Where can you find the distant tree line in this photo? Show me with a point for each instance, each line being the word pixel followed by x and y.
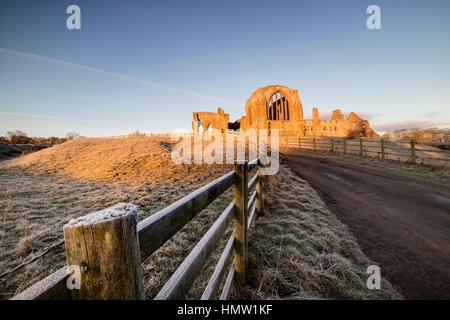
pixel 20 137
pixel 432 134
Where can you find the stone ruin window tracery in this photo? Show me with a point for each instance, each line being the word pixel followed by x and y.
pixel 278 107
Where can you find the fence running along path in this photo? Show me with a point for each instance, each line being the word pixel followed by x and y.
pixel 415 152
pixel 109 245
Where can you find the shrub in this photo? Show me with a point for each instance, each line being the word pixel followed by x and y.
pixel 18 137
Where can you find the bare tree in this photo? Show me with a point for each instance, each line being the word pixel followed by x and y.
pixel 18 137
pixel 72 135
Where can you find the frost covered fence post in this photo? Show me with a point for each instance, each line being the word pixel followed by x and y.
pixel 246 211
pixel 264 178
pixel 105 247
pixel 259 204
pixel 239 224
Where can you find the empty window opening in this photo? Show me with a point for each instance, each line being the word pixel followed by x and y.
pixel 278 108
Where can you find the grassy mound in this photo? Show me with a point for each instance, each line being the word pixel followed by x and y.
pixel 130 160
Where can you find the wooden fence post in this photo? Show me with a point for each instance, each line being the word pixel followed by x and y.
pixel 246 213
pixel 259 204
pixel 104 245
pixel 265 184
pixel 383 154
pixel 332 145
pixel 314 143
pixel 299 143
pixel 345 146
pixel 413 152
pixel 266 190
pixel 239 225
pixel 257 144
pixel 361 146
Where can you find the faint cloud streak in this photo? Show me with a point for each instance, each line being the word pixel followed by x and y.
pixel 30 115
pixel 116 75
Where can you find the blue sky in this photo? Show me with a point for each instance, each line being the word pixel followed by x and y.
pixel 147 65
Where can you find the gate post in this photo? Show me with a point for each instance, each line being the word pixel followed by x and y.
pixel 246 213
pixel 239 224
pixel 104 245
pixel 259 204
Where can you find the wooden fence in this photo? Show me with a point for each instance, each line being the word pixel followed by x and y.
pixel 415 152
pixel 108 246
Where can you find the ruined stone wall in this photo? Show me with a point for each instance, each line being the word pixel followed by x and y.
pixel 353 126
pixel 217 120
pixel 279 107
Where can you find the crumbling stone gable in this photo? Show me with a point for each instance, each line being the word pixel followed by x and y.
pixel 217 120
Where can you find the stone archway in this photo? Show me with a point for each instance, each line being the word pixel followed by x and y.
pixel 278 107
pixel 200 128
pixel 274 107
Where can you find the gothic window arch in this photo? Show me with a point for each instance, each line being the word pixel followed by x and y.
pixel 278 107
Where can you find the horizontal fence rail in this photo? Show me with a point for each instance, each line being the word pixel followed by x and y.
pixel 187 272
pixel 407 151
pixel 150 234
pixel 415 152
pixel 174 217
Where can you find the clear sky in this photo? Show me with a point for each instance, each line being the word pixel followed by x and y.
pixel 147 65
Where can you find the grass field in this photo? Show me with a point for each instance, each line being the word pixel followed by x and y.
pixel 42 191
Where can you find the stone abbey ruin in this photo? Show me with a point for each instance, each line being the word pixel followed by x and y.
pixel 279 107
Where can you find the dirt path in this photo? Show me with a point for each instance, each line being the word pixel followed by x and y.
pixel 402 226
